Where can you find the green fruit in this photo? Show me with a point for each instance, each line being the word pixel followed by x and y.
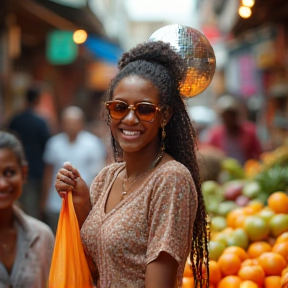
pixel 221 238
pixel 225 207
pixel 218 223
pixel 251 189
pixel 256 228
pixel 278 224
pixel 239 238
pixel 266 214
pixel 212 202
pixel 215 250
pixel 209 187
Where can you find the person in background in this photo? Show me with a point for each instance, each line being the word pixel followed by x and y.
pixel 33 132
pixel 277 115
pixel 145 212
pixel 235 136
pixel 82 148
pixel 209 157
pixel 26 244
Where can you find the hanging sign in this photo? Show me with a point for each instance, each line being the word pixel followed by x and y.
pixel 60 47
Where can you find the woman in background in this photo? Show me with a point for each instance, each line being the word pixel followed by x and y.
pixel 26 244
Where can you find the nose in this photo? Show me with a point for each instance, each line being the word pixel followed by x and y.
pixel 131 117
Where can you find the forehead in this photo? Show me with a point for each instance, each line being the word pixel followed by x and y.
pixel 136 88
pixel 8 156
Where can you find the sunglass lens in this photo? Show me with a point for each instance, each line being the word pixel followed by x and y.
pixel 118 110
pixel 146 112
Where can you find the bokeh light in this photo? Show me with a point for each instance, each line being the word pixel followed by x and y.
pixel 80 36
pixel 244 12
pixel 248 3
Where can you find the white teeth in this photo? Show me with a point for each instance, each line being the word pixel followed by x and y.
pixel 131 133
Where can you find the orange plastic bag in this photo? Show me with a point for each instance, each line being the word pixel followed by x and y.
pixel 69 268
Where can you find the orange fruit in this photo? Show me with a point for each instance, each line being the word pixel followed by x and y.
pixel 232 216
pixel 282 249
pixel 229 264
pixel 282 238
pixel 231 281
pixel 240 252
pixel 214 272
pixel 188 282
pixel 272 263
pixel 240 221
pixel 249 262
pixel 255 205
pixel 278 202
pixel 272 282
pixel 188 270
pixel 253 273
pixel 248 284
pixel 284 272
pixel 248 210
pixel 255 249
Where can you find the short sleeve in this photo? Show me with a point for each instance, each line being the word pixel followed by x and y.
pixel 171 216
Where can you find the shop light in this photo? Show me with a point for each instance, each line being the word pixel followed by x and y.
pixel 80 36
pixel 244 12
pixel 248 3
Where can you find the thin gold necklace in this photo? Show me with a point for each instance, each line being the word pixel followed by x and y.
pixel 153 165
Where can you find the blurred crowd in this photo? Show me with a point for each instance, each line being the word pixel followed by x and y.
pixel 48 146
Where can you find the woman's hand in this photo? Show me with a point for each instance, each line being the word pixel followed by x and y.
pixel 69 179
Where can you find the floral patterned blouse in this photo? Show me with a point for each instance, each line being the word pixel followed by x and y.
pixel 157 217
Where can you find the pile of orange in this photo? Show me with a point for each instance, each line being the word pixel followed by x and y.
pixel 261 265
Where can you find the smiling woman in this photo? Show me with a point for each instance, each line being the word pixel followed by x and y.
pixel 22 264
pixel 145 213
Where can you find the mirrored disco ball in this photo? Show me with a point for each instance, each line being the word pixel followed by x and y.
pixel 196 51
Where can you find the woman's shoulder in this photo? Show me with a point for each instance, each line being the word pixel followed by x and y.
pixel 172 167
pixel 32 225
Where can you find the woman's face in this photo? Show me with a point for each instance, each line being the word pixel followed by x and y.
pixel 132 134
pixel 12 176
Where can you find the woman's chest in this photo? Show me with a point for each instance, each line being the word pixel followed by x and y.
pixel 123 230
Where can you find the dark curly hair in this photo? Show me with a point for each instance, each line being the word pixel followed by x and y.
pixel 160 64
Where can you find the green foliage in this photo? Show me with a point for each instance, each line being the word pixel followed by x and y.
pixel 273 179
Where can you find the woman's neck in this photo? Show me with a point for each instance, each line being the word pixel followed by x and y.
pixel 6 218
pixel 140 162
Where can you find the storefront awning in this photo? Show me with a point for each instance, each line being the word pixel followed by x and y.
pixel 103 50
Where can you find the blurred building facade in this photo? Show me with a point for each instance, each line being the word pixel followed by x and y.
pixel 36 45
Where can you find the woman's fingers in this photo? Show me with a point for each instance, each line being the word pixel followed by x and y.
pixel 68 166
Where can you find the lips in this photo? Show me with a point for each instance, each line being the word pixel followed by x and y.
pixel 5 194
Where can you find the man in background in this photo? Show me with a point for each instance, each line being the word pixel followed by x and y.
pixel 235 136
pixel 81 148
pixel 34 132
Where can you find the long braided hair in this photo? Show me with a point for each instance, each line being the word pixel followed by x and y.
pixel 158 63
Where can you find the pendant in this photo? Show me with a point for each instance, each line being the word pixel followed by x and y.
pixel 124 193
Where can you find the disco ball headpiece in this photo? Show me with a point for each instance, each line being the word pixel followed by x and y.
pixel 196 51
